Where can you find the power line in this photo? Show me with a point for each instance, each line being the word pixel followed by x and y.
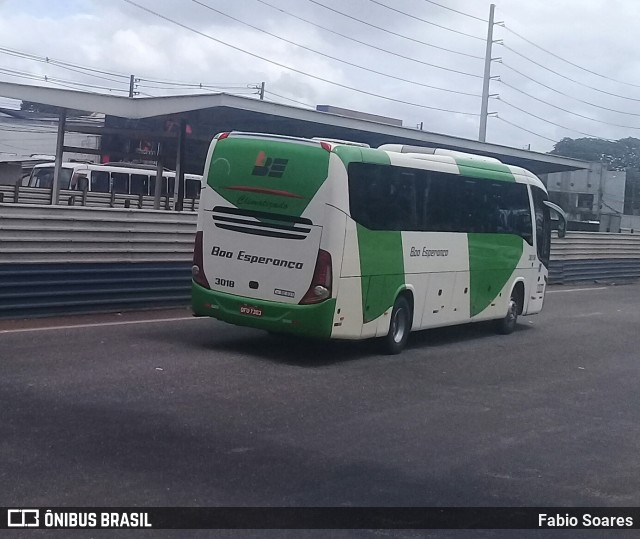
pixel 55 80
pixel 58 62
pixel 565 110
pixel 566 77
pixel 568 61
pixel 426 21
pixel 627 113
pixel 369 44
pixel 524 129
pixel 199 84
pixel 370 25
pixel 81 70
pixel 289 68
pixel 62 65
pixel 502 100
pixel 457 11
pixel 335 58
pixel 289 99
pixel 210 88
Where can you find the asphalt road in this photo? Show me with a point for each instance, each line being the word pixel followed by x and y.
pixel 194 412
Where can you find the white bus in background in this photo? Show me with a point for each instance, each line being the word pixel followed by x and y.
pixel 123 178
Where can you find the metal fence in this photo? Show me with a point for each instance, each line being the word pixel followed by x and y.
pixel 72 259
pixel 594 256
pixel 19 194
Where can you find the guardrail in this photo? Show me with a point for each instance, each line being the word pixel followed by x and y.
pixel 73 259
pixel 61 259
pixel 19 194
pixel 591 256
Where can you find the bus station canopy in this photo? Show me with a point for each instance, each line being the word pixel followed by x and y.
pixel 224 112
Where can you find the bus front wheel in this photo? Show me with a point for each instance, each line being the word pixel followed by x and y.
pixel 399 327
pixel 507 325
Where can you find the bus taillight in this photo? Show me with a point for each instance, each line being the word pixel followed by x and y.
pixel 197 270
pixel 320 288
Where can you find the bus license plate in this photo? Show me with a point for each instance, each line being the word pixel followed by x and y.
pixel 250 310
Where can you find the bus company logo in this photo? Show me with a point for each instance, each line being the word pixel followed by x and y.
pixel 273 167
pixel 23 518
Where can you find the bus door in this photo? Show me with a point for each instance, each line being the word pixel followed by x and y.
pixel 540 271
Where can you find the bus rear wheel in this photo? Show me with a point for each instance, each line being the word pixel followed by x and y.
pixel 507 325
pixel 399 327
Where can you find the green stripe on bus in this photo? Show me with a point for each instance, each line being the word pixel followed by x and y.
pixel 351 154
pixel 381 268
pixel 267 175
pixel 492 260
pixel 479 169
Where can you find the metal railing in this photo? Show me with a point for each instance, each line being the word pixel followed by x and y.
pixel 19 194
pixel 68 259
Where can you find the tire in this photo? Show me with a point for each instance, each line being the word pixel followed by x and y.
pixel 507 325
pixel 399 327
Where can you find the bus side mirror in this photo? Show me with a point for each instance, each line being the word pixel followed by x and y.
pixel 562 228
pixel 562 218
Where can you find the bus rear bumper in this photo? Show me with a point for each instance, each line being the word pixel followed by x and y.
pixel 306 320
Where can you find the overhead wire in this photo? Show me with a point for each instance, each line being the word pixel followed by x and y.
pixel 449 29
pixel 289 68
pixel 268 92
pixel 63 65
pixel 375 47
pixel 565 94
pixel 566 110
pixel 502 100
pixel 524 129
pixel 567 77
pixel 458 11
pixel 557 56
pixel 86 71
pixel 335 58
pixel 52 61
pixel 382 29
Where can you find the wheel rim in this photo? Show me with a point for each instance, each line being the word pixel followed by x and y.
pixel 512 312
pixel 399 326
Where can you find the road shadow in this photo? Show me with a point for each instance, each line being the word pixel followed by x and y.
pixel 315 353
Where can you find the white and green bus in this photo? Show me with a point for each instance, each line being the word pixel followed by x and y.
pixel 331 239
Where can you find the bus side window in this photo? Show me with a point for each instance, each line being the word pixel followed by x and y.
pixel 192 189
pixel 439 214
pixel 139 184
pixel 163 190
pixel 99 181
pixel 120 182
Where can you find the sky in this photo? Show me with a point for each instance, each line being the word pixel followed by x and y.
pixel 569 68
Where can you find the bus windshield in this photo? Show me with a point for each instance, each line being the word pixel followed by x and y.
pixel 43 177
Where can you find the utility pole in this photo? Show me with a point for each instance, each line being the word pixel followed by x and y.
pixel 262 91
pixel 132 81
pixel 484 109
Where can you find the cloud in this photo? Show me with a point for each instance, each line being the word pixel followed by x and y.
pixel 122 39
